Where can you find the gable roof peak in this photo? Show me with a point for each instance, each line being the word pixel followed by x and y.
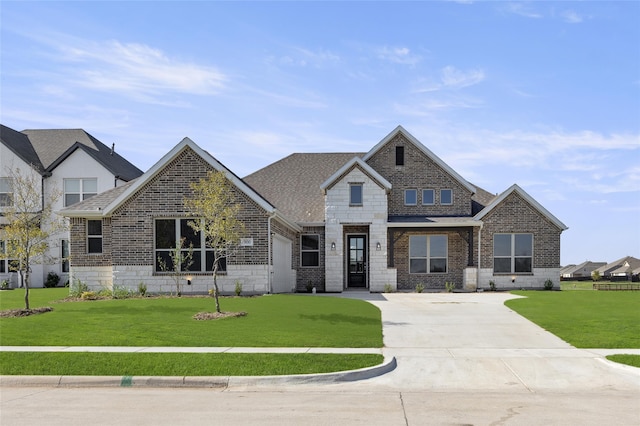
pixel 426 151
pixel 356 162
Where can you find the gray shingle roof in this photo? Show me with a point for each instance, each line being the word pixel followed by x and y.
pixel 293 183
pixel 98 202
pixel 54 145
pixel 21 146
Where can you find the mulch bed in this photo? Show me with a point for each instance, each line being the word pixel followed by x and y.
pixel 202 316
pixel 14 313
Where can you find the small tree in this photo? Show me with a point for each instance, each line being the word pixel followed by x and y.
pixel 595 275
pixel 217 212
pixel 180 262
pixel 31 222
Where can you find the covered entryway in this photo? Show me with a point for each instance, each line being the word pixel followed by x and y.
pixel 283 280
pixel 356 261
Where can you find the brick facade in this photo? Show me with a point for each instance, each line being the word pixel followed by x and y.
pixel 310 274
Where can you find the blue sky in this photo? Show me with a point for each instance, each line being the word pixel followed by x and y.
pixel 543 94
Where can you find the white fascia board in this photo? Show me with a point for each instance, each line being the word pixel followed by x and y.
pixel 425 150
pixel 466 223
pixel 528 198
pixel 367 169
pixel 157 168
pixel 87 214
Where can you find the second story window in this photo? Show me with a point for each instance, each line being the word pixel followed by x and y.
pixel 428 197
pixel 94 236
pixel 355 194
pixel 76 190
pixel 446 197
pixel 410 197
pixel 6 192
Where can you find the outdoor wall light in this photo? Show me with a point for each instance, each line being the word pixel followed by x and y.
pixel 188 280
pixel 333 246
pixel 378 246
pixel 513 279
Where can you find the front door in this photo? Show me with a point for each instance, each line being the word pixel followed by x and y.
pixel 357 267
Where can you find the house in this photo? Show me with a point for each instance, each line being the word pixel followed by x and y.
pixel 391 218
pixel 580 272
pixel 625 269
pixel 69 160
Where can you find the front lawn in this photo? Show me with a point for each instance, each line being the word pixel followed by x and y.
pixel 271 321
pixel 585 319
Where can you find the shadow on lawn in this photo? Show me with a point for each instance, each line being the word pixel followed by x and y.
pixel 341 318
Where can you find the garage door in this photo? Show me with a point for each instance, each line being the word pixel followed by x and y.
pixel 282 274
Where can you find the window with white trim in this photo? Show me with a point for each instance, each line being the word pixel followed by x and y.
pixel 446 197
pixel 428 254
pixel 428 197
pixel 64 255
pixel 355 194
pixel 410 197
pixel 171 230
pixel 6 192
pixel 94 236
pixel 6 264
pixel 512 253
pixel 76 190
pixel 310 250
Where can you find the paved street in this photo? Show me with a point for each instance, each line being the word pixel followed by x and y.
pixel 463 359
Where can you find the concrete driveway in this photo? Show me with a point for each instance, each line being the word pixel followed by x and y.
pixel 467 342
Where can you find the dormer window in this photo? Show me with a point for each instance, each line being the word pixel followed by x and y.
pixel 446 197
pixel 399 155
pixel 355 194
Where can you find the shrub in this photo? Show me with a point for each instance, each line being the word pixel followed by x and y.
pixel 548 285
pixel 388 288
pixel 450 286
pixel 121 292
pixel 238 288
pixel 4 285
pixel 419 288
pixel 105 293
pixel 52 280
pixel 89 295
pixel 492 285
pixel 142 289
pixel 78 288
pixel 595 275
pixel 212 292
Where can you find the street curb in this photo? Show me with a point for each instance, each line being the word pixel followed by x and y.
pixel 388 365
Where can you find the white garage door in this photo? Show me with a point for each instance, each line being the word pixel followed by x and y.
pixel 282 274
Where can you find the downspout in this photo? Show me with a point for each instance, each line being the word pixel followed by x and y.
pixel 269 254
pixel 115 181
pixel 479 256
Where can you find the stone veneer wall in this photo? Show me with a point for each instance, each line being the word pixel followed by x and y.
pixel 419 172
pixel 516 215
pixel 340 215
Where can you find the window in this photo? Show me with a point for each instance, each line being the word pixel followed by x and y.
pixel 64 255
pixel 6 192
pixel 446 196
pixel 355 194
pixel 170 231
pixel 399 155
pixel 310 250
pixel 76 190
pixel 428 253
pixel 512 253
pixel 428 197
pixel 410 197
pixel 94 236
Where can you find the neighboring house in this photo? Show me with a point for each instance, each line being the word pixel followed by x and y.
pixel 70 161
pixel 625 269
pixel 581 271
pixel 392 218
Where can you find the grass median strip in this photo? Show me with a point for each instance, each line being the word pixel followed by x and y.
pixel 179 364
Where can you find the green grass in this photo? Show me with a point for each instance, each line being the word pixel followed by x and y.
pixel 585 319
pixel 576 285
pixel 632 360
pixel 178 364
pixel 271 321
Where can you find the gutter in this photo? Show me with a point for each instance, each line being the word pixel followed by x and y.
pixel 269 254
pixel 479 256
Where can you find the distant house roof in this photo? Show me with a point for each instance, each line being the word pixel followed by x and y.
pixel 293 183
pixel 609 268
pixel 53 146
pixel 583 269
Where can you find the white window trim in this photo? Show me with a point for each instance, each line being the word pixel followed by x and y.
pixel 434 197
pixel 82 192
pixel 405 197
pixel 8 194
pixel 428 258
pixel 512 256
pixel 446 204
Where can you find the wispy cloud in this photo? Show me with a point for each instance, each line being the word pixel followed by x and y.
pixel 306 57
pixel 398 55
pixel 522 9
pixel 571 17
pixel 455 78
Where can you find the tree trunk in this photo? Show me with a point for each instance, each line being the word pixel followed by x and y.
pixel 24 277
pixel 215 285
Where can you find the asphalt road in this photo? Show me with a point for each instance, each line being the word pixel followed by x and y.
pixel 462 360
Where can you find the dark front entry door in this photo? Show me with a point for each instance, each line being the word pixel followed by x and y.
pixel 357 268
